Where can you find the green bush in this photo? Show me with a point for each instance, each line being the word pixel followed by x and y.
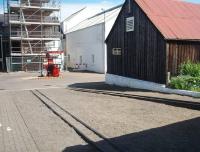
pixel 190 69
pixel 189 78
pixel 186 83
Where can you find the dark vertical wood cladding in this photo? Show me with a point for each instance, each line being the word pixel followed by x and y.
pixel 181 51
pixel 143 50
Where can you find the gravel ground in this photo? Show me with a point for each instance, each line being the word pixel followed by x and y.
pixel 34 128
pixel 135 125
pixel 28 81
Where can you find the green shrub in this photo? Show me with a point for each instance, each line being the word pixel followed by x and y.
pixel 186 83
pixel 190 69
pixel 189 78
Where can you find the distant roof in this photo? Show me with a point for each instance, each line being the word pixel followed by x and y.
pixel 175 19
pixel 97 19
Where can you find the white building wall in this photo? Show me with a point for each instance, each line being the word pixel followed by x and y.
pixel 87 38
pixel 67 25
pixel 108 27
pixel 87 44
pixel 88 11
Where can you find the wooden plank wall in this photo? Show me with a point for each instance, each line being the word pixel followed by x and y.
pixel 180 52
pixel 143 50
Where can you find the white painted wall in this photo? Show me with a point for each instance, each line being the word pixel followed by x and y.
pixel 87 42
pixel 67 25
pixel 140 84
pixel 89 11
pixel 87 38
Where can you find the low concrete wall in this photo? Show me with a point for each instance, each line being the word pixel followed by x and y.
pixel 139 84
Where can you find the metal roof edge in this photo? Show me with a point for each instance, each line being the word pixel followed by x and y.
pixel 108 10
pixel 73 31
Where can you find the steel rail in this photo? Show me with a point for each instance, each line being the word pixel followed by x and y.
pixel 118 149
pixel 173 102
pixel 67 122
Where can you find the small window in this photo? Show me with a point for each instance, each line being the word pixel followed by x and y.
pixel 93 58
pixel 130 24
pixel 117 51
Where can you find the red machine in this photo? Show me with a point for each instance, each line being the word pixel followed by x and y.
pixel 52 68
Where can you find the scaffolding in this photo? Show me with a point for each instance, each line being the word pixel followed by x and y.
pixel 4 39
pixel 34 29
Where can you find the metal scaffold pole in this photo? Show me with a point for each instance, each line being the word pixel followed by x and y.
pixel 2 54
pixel 33 26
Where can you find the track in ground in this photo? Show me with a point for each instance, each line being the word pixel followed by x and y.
pixel 172 102
pixel 87 133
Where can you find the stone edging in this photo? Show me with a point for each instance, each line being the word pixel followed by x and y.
pixel 140 84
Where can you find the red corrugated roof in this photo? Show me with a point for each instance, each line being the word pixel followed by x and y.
pixel 174 19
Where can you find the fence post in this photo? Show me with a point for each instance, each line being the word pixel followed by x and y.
pixel 8 64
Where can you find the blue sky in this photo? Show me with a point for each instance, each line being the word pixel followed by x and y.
pixel 97 1
pixel 114 1
pixel 97 4
pixel 71 6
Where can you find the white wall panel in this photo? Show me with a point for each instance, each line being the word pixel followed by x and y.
pixel 87 43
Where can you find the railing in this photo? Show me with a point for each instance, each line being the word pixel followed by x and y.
pixel 35 50
pixel 26 50
pixel 35 18
pixel 26 63
pixel 35 34
pixel 42 3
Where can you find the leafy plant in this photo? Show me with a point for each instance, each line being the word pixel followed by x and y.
pixel 190 69
pixel 186 83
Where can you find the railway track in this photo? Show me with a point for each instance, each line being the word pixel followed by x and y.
pixel 172 102
pixel 87 133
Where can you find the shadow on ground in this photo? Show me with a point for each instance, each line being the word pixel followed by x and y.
pixel 102 88
pixel 179 137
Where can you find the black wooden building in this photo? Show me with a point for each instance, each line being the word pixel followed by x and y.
pixel 151 38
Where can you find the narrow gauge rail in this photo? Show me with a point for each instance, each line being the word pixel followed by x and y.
pixel 172 102
pixel 106 144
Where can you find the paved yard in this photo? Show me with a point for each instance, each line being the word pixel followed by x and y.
pixel 28 126
pixel 141 122
pixel 27 81
pixel 135 125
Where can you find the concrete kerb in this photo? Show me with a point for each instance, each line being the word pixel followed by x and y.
pixel 139 84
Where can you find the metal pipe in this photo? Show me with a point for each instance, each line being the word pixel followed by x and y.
pixel 104 36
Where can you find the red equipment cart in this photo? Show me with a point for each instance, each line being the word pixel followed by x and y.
pixel 51 67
